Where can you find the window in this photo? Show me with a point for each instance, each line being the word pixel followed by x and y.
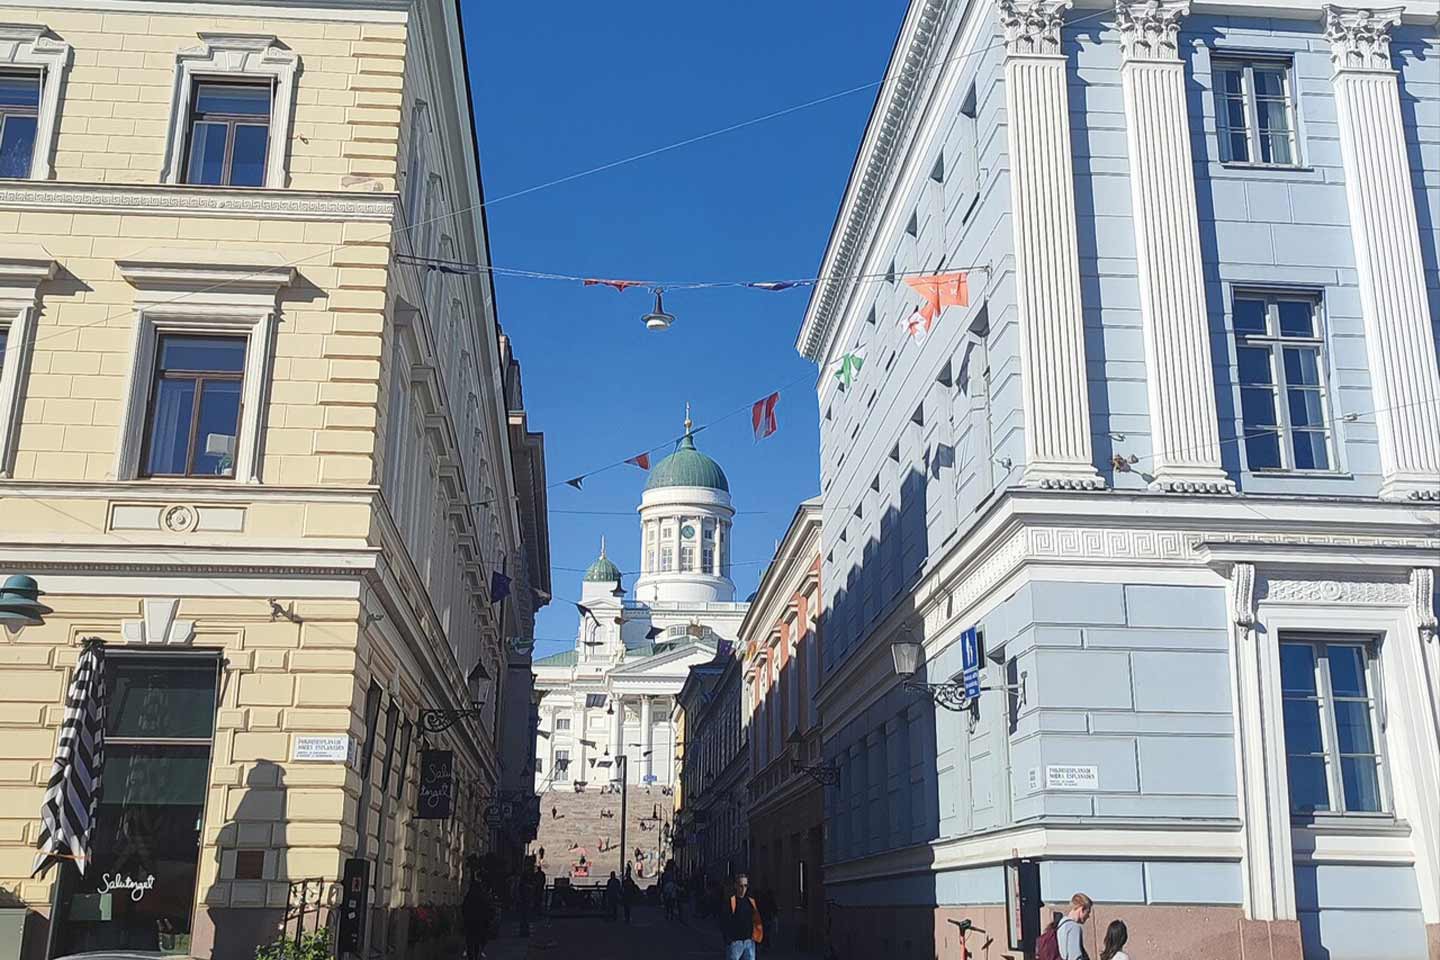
pixel 229 130
pixel 707 547
pixel 19 118
pixel 159 721
pixel 1254 113
pixel 687 557
pixel 539 765
pixel 4 336
pixel 562 723
pixel 562 765
pixel 1282 389
pixel 1332 752
pixel 194 407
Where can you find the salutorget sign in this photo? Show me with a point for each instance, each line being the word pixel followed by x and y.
pixel 138 888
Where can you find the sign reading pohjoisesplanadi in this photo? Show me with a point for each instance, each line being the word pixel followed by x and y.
pixel 1072 777
pixel 327 747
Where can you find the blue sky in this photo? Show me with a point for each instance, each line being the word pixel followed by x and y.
pixel 587 84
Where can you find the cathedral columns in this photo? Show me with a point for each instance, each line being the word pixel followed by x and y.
pixel 617 732
pixel 647 739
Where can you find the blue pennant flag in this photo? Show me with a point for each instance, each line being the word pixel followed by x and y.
pixel 499 586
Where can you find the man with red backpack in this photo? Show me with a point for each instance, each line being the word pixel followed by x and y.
pixel 1064 939
pixel 740 922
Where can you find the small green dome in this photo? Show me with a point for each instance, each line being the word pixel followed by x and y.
pixel 687 467
pixel 602 570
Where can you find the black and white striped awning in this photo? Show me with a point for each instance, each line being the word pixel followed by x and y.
pixel 72 796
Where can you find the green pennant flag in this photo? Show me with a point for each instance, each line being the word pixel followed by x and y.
pixel 850 365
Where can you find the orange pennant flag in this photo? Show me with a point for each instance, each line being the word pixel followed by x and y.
pixel 941 290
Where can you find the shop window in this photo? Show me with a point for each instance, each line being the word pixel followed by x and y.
pixel 194 406
pixel 140 891
pixel 228 134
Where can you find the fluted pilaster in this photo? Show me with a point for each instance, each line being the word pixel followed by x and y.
pixel 1185 428
pixel 1047 253
pixel 1398 337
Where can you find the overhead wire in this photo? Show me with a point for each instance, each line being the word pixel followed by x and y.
pixel 391 232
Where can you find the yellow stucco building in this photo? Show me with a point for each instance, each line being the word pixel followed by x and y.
pixel 249 440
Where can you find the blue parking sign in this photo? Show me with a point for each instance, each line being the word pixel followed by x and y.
pixel 970 662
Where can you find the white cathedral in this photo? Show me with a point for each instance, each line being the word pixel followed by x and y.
pixel 614 694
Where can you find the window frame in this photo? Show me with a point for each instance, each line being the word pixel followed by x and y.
pixel 199 378
pixel 1274 341
pixel 231 122
pixel 225 57
pixel 19 307
pixel 1246 65
pixel 1371 650
pixel 6 112
pixel 32 48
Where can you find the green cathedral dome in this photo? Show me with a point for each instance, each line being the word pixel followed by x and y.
pixel 687 467
pixel 602 570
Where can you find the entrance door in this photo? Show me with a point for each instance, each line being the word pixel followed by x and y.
pixel 138 892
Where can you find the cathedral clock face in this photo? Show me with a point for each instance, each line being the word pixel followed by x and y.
pixel 688 532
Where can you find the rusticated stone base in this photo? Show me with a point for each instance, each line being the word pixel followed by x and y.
pixel 1156 932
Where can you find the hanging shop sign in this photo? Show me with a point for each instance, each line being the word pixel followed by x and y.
pixel 970 662
pixel 437 784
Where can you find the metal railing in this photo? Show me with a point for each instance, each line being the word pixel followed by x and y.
pixel 314 896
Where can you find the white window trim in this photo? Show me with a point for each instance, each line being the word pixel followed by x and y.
pixel 1275 342
pixel 22 270
pixel 32 46
pixel 238 297
pixel 235 56
pixel 1246 65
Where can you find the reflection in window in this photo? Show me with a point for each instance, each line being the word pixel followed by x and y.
pixel 194 406
pixel 1332 754
pixel 1278 351
pixel 19 115
pixel 229 133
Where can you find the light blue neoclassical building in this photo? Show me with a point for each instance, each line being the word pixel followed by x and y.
pixel 1177 459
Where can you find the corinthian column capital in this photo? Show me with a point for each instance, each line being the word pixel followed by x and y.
pixel 1149 28
pixel 1033 26
pixel 1360 38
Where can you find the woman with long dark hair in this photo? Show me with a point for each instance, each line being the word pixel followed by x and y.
pixel 1115 937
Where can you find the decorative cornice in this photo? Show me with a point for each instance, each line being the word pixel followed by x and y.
pixel 1359 37
pixel 179 200
pixel 172 270
pixel 1149 28
pixel 1032 27
pixel 1384 592
pixel 886 132
pixel 1422 594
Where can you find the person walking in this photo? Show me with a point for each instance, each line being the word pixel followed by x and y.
pixel 740 923
pixel 477 912
pixel 1064 939
pixel 629 890
pixel 1116 936
pixel 612 895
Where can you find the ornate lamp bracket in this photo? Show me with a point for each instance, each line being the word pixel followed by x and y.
pixel 435 721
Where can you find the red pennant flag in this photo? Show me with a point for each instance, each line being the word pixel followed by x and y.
pixel 641 460
pixel 617 284
pixel 940 291
pixel 762 416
